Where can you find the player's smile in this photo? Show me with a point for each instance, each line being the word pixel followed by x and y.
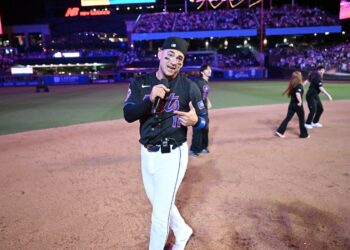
pixel 171 68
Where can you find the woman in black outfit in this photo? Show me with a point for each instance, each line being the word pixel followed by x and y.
pixel 295 91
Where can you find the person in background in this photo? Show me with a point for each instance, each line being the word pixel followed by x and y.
pixel 41 84
pixel 313 100
pixel 295 91
pixel 200 138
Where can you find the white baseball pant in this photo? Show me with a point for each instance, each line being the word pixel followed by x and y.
pixel 162 175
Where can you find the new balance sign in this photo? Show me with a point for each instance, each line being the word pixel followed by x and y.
pixel 72 12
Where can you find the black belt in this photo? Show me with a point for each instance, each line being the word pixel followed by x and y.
pixel 156 147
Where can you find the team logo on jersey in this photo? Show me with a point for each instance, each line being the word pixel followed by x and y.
pixel 172 103
pixel 169 104
pixel 205 88
pixel 200 104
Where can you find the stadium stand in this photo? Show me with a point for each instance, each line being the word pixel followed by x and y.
pixel 335 57
pixel 104 44
pixel 234 19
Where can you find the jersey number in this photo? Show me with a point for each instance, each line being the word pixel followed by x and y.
pixel 176 122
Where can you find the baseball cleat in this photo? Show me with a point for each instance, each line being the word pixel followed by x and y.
pixel 182 239
pixel 205 151
pixel 308 126
pixel 279 134
pixel 305 136
pixel 192 153
pixel 316 125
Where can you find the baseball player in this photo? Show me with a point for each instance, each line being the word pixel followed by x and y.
pixel 313 100
pixel 200 138
pixel 295 91
pixel 165 103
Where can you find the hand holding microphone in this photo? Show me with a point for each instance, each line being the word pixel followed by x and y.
pixel 159 91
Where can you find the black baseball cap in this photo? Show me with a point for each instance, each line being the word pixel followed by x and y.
pixel 177 43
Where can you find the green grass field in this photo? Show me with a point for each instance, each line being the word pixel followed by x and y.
pixel 22 110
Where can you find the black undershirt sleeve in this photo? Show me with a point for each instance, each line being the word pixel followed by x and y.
pixel 133 111
pixel 135 106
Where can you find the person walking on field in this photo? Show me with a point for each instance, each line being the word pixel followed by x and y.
pixel 313 100
pixel 200 138
pixel 165 103
pixel 295 91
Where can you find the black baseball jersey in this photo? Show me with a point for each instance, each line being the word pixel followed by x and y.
pixel 297 89
pixel 204 88
pixel 164 123
pixel 315 83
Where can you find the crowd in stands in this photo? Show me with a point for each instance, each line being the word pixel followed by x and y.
pixel 90 44
pixel 239 18
pixel 333 58
pixel 156 22
pixel 193 59
pixel 201 20
pixel 311 17
pixel 236 60
pixel 236 19
pixel 7 59
pixel 296 16
pixel 194 21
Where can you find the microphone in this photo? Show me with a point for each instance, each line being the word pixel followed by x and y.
pixel 157 99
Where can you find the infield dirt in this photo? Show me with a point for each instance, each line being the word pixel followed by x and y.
pixel 80 187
